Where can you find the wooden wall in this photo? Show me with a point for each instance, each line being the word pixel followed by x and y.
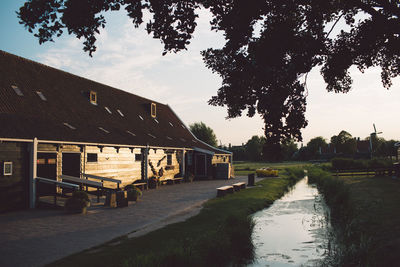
pixel 112 164
pixel 220 159
pixel 14 188
pixel 158 158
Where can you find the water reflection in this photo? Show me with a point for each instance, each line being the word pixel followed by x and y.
pixel 293 231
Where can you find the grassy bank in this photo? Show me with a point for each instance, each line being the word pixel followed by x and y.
pixel 365 215
pixel 219 236
pixel 246 167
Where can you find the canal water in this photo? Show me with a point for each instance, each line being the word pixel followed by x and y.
pixel 294 231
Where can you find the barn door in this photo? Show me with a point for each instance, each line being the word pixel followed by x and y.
pixel 200 165
pixel 71 164
pixel 46 168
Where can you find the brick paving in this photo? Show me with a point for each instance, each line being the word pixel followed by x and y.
pixel 37 237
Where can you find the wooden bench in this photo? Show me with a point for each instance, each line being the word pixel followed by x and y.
pixel 56 183
pixel 82 182
pixel 364 172
pixel 178 180
pixel 102 179
pixel 140 185
pixel 170 181
pixel 239 186
pixel 87 183
pixel 224 190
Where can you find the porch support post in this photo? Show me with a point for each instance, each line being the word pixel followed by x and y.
pixel 146 163
pixel 33 174
pixel 183 163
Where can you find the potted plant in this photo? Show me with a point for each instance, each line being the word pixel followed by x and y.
pixel 78 203
pixel 153 182
pixel 133 192
pixel 189 177
pixel 82 195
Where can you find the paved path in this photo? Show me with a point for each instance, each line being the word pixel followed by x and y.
pixel 37 237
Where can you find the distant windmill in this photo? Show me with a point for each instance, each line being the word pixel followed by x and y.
pixel 370 138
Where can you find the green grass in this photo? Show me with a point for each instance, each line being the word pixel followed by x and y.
pixel 366 218
pixel 243 168
pixel 219 236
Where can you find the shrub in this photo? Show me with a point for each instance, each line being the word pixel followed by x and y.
pixel 351 164
pixel 153 182
pixel 295 173
pixel 189 177
pixel 133 192
pixel 379 163
pixel 266 172
pixel 81 195
pixel 75 205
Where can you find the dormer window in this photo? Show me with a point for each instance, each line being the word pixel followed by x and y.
pixel 93 97
pixel 153 110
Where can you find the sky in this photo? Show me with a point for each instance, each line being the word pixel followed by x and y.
pixel 129 59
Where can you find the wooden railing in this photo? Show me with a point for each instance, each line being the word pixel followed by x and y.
pixel 365 172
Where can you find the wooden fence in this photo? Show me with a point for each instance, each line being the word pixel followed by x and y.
pixel 365 172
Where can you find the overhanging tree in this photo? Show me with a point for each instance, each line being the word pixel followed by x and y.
pixel 270 46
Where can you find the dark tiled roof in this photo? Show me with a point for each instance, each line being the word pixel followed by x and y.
pixel 67 95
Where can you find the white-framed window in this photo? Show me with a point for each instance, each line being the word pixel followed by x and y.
pixel 7 168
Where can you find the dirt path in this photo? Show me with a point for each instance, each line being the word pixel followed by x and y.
pixel 37 237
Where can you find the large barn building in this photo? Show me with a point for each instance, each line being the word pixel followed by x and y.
pixel 54 123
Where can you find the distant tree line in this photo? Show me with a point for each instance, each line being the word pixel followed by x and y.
pixel 255 149
pixel 345 145
pixel 318 148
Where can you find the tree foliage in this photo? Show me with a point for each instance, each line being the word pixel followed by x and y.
pixel 204 133
pixel 254 148
pixel 288 148
pixel 344 143
pixel 270 45
pixel 315 146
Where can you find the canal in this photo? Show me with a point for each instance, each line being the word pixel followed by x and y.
pixel 294 231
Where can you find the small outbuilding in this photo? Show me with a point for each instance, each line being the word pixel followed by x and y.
pixel 54 123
